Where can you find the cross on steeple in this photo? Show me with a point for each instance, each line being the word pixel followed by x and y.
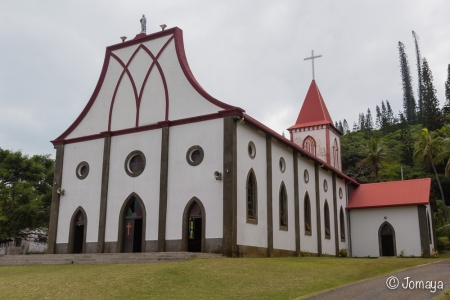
pixel 312 58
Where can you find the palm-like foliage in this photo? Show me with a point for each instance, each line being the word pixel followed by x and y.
pixel 430 149
pixel 375 153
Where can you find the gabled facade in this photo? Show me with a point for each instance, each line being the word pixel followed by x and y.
pixel 314 130
pixel 154 163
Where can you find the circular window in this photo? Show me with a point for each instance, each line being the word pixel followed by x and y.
pixel 135 163
pixel 325 185
pixel 282 165
pixel 82 170
pixel 251 150
pixel 340 193
pixel 194 155
pixel 306 176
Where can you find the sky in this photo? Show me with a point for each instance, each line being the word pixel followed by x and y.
pixel 245 53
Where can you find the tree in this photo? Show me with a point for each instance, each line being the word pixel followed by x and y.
pixel 375 153
pixel 429 150
pixel 345 126
pixel 378 118
pixel 409 103
pixel 369 121
pixel 432 118
pixel 407 142
pixel 419 76
pixel 446 108
pixel 390 115
pixel 25 193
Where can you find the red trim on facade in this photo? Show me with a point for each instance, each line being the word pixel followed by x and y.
pixel 179 47
pixel 387 205
pixel 125 70
pixel 327 134
pixel 91 100
pixel 298 148
pixel 158 125
pixel 148 37
pixel 155 60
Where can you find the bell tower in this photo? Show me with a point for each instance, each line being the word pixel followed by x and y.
pixel 314 130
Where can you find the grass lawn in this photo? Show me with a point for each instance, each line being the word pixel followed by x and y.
pixel 238 278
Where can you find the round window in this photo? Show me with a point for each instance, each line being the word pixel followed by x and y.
pixel 194 155
pixel 251 150
pixel 282 165
pixel 325 185
pixel 82 170
pixel 340 193
pixel 306 176
pixel 135 163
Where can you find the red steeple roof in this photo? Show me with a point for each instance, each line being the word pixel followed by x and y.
pixel 314 110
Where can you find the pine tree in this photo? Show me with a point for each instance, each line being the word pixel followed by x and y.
pixel 432 118
pixel 362 122
pixel 345 126
pixel 355 126
pixel 409 103
pixel 369 120
pixel 407 145
pixel 378 118
pixel 391 120
pixel 341 128
pixel 446 108
pixel 419 76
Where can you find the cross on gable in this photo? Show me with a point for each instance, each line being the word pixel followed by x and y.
pixel 312 58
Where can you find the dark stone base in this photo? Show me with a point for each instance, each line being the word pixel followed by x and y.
pixel 62 248
pixel 213 245
pixel 174 246
pixel 91 247
pixel 110 247
pixel 151 246
pixel 252 251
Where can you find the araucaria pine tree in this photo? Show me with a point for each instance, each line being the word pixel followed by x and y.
pixel 419 76
pixel 409 103
pixel 432 118
pixel 446 109
pixel 407 145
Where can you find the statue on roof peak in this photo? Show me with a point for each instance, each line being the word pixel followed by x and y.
pixel 143 24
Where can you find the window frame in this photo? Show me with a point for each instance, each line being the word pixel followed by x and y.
pixel 283 206
pixel 251 177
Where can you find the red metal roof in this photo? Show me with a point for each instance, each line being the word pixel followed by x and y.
pixel 394 193
pixel 313 109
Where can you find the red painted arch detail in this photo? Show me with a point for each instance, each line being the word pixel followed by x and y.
pixel 163 78
pixel 91 100
pixel 125 70
pixel 179 47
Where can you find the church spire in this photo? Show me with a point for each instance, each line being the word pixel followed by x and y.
pixel 313 111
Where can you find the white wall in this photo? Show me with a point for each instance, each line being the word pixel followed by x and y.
pixel 365 224
pixel 84 193
pixel 318 133
pixel 146 185
pixel 283 239
pixel 186 181
pixel 308 243
pixel 251 234
pixel 333 137
pixel 328 245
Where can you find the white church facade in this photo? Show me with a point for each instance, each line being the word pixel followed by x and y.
pixel 154 163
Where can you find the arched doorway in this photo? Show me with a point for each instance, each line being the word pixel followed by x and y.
pixel 77 235
pixel 194 220
pixel 132 225
pixel 386 238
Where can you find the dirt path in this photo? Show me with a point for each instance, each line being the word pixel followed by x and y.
pixel 377 288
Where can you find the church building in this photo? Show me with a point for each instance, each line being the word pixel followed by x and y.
pixel 154 163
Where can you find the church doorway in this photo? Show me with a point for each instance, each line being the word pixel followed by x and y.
pixel 194 226
pixel 78 236
pixel 132 226
pixel 195 229
pixel 387 240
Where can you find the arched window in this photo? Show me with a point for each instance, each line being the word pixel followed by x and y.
pixel 307 214
pixel 252 198
pixel 309 144
pixel 429 228
pixel 132 224
pixel 326 213
pixel 342 224
pixel 336 155
pixel 283 208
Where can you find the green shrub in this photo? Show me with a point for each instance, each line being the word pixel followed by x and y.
pixel 343 252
